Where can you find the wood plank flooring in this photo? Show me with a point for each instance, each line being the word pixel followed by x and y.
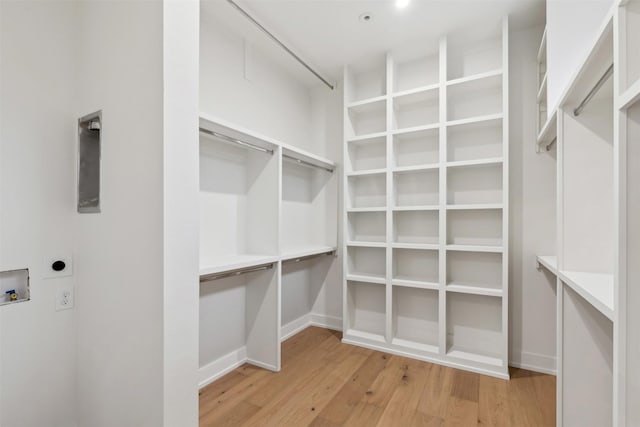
pixel 324 383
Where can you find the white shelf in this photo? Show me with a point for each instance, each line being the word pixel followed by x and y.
pixel 542 50
pixel 473 290
pixel 596 289
pixel 426 348
pixel 367 278
pixel 422 246
pixel 234 262
pixel 361 138
pixel 472 207
pixel 549 262
pixel 630 96
pixel 364 102
pixel 542 91
pixel 477 119
pixel 416 208
pixel 355 244
pixel 475 248
pixel 408 283
pixel 474 357
pixel 373 209
pixel 413 129
pixel 364 335
pixel 549 131
pixel 299 252
pixel 416 168
pixel 306 156
pixel 477 162
pixel 416 90
pixel 474 77
pixel 367 172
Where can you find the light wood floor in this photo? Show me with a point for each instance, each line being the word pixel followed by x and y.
pixel 324 383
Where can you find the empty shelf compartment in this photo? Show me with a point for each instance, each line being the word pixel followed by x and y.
pixel 416 188
pixel 415 318
pixel 415 266
pixel 478 184
pixel 367 83
pixel 475 227
pixel 367 226
pixel 473 141
pixel 475 98
pixel 474 270
pixel 416 148
pixel 467 58
pixel 367 313
pixel 416 109
pixel 416 227
pixel 366 262
pixel 367 154
pixel 369 191
pixel 416 72
pixel 367 119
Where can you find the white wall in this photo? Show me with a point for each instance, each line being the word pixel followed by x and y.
pixel 119 252
pixel 572 26
pixel 37 160
pixel 532 201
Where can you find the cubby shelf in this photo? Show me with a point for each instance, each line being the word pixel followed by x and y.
pixel 596 289
pixel 451 98
pixel 550 262
pixel 479 76
pixel 473 290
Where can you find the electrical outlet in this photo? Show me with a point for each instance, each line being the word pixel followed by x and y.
pixel 64 298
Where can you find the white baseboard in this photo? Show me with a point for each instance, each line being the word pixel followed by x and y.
pixel 222 366
pixel 295 326
pixel 328 322
pixel 534 362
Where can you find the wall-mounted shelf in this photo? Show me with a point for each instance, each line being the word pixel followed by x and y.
pixel 550 262
pixel 548 133
pixel 596 289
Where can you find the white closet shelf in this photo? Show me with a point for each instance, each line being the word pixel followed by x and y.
pixel 424 246
pixel 215 124
pixel 417 90
pixel 364 102
pixel 477 119
pixel 542 50
pixel 473 207
pixel 550 262
pixel 304 251
pixel 630 96
pixel 542 91
pixel 367 278
pixel 427 348
pixel 473 290
pixel 364 335
pixel 548 132
pixel 366 244
pixel 364 138
pixel 474 77
pixel 367 172
pixel 416 208
pixel 475 162
pixel 372 209
pixel 416 129
pixel 475 248
pixel 416 168
pixel 305 156
pixel 234 262
pixel 410 283
pixel 474 357
pixel 595 288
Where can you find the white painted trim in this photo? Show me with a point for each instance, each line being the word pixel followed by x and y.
pixel 533 362
pixel 222 366
pixel 328 322
pixel 295 326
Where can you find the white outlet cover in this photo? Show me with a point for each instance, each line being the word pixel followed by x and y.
pixel 64 298
pixel 50 273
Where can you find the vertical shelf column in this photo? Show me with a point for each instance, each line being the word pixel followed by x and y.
pixel 390 203
pixel 442 232
pixel 505 193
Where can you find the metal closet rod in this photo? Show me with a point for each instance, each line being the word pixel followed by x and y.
pixel 281 44
pixel 234 273
pixel 304 258
pixel 593 91
pixel 235 141
pixel 303 162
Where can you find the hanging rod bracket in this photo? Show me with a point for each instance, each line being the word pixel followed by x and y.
pixel 281 44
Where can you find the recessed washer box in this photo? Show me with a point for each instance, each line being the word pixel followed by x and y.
pixel 16 281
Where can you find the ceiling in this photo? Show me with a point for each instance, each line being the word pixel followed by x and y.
pixel 328 33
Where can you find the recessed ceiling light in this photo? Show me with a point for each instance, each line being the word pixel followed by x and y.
pixel 366 17
pixel 401 4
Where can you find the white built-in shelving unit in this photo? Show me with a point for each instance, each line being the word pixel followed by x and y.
pixel 268 220
pixel 598 354
pixel 426 202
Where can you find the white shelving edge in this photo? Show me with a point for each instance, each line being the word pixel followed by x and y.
pixel 550 262
pixel 548 132
pixel 630 96
pixel 235 262
pixel 596 289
